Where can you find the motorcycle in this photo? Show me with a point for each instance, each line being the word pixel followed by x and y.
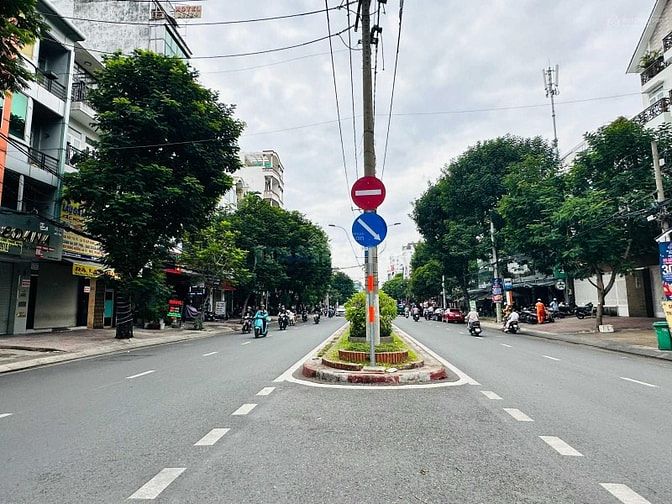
pixel 475 328
pixel 587 310
pixel 283 321
pixel 316 318
pixel 247 324
pixel 304 316
pixel 291 317
pixel 261 326
pixel 528 316
pixel 513 328
pixel 416 317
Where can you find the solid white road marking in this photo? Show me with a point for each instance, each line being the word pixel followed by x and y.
pixel 549 357
pixel 266 391
pixel 141 374
pixel 3 415
pixel 158 483
pixel 518 415
pixel 491 395
pixel 624 493
pixel 209 354
pixel 637 381
pixel 211 437
pixel 505 345
pixel 560 446
pixel 246 343
pixel 244 409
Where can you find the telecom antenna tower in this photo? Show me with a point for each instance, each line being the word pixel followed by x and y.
pixel 552 90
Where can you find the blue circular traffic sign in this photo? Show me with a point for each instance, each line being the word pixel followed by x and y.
pixel 369 229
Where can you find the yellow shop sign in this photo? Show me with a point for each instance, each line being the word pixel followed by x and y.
pixel 87 270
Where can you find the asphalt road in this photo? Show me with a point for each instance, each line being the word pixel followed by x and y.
pixel 126 425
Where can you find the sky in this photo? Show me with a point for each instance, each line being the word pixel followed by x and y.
pixel 468 71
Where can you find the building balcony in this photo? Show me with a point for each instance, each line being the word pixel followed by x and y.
pixel 32 163
pixel 273 196
pixel 652 70
pixel 80 108
pixel 49 81
pixel 43 161
pixel 667 42
pixel 650 113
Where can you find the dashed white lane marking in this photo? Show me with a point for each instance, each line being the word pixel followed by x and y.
pixel 209 354
pixel 3 415
pixel 246 343
pixel 560 446
pixel 244 409
pixel 211 437
pixel 505 345
pixel 624 493
pixel 141 374
pixel 158 483
pixel 637 381
pixel 266 391
pixel 549 357
pixel 518 415
pixel 491 395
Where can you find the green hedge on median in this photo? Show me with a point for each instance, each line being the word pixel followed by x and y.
pixel 355 313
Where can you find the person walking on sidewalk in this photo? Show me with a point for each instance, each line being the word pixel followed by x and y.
pixel 541 311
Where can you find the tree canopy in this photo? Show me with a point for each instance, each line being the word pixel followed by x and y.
pixel 20 25
pixel 341 287
pixel 396 287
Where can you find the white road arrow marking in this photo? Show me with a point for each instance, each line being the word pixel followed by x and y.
pixel 369 192
pixel 375 235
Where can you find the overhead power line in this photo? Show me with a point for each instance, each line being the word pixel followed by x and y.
pixel 394 82
pixel 352 98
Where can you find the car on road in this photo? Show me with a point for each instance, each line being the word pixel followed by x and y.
pixel 453 315
pixel 437 315
pixel 340 311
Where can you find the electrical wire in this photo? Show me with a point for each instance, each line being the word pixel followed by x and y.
pixel 270 64
pixel 338 107
pixel 394 82
pixel 352 97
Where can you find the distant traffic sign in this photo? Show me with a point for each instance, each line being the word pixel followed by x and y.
pixel 368 193
pixel 369 229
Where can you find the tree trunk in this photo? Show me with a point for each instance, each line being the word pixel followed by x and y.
pixel 247 300
pixel 124 317
pixel 600 300
pixel 465 293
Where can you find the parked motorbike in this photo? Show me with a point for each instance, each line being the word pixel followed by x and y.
pixel 528 316
pixel 283 321
pixel 475 328
pixel 247 324
pixel 304 316
pixel 261 327
pixel 587 310
pixel 316 318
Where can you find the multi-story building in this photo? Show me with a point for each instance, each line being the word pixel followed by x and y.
pixel 111 25
pixel 36 288
pixel 262 173
pixel 401 263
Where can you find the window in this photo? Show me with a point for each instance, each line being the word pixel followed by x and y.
pixel 17 117
pixel 74 138
pixel 656 95
pixel 171 47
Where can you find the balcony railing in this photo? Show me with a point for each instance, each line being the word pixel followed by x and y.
pixel 662 105
pixel 667 42
pixel 73 155
pixel 80 92
pixel 43 161
pixel 653 69
pixel 48 81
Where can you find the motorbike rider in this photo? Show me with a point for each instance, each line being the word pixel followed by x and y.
pixel 471 317
pixel 513 317
pixel 262 314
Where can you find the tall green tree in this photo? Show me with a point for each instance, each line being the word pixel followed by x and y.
pixel 211 252
pixel 341 287
pixel 166 145
pixel 396 287
pixel 20 25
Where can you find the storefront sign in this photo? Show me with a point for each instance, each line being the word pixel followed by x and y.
pixel 665 253
pixel 497 290
pixel 175 308
pixel 87 270
pixel 28 236
pixel 75 245
pixel 220 308
pixel 667 308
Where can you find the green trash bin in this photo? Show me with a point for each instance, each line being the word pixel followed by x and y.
pixel 663 333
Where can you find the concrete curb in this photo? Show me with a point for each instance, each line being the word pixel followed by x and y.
pixel 577 340
pixel 131 344
pixel 317 371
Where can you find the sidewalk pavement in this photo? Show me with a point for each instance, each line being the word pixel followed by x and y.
pixel 39 349
pixel 633 335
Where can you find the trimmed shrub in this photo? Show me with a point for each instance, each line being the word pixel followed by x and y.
pixel 355 313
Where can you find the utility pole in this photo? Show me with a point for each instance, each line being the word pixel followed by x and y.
pixel 552 90
pixel 443 290
pixel 369 171
pixel 660 193
pixel 495 267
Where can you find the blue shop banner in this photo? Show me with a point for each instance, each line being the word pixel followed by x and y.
pixel 665 255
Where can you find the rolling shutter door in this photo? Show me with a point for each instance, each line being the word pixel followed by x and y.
pixel 5 295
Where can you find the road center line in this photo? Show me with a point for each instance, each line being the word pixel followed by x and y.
pixel 518 415
pixel 158 483
pixel 560 446
pixel 244 409
pixel 246 343
pixel 624 493
pixel 209 354
pixel 505 345
pixel 141 374
pixel 549 357
pixel 3 415
pixel 491 395
pixel 266 391
pixel 211 437
pixel 637 381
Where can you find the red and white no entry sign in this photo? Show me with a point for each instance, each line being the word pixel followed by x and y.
pixel 368 193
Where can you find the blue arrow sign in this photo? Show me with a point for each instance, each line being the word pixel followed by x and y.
pixel 369 229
